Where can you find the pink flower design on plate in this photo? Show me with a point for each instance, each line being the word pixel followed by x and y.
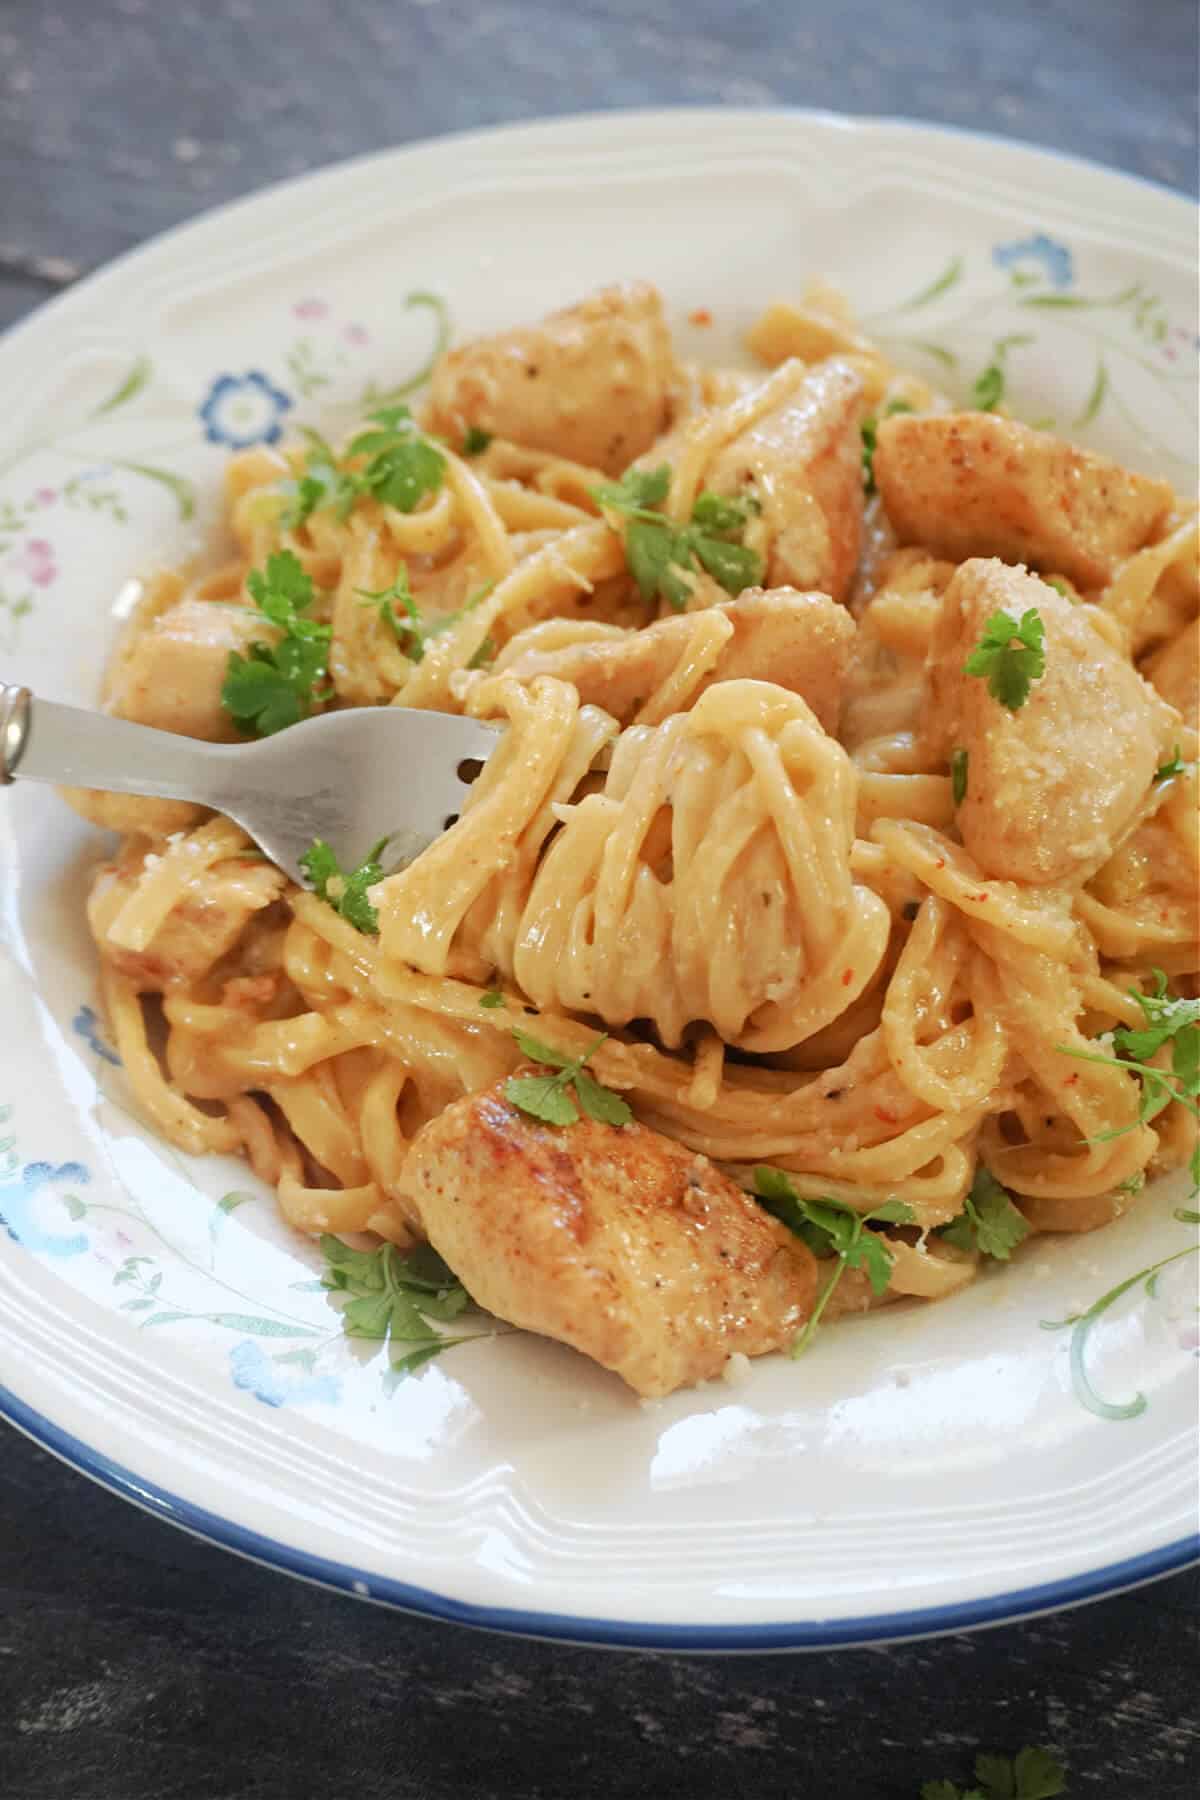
pixel 356 334
pixel 311 308
pixel 36 560
pixel 44 496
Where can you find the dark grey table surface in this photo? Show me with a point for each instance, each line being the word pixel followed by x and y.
pixel 136 1664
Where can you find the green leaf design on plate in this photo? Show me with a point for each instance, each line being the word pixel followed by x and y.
pixel 376 396
pixel 129 389
pixel 939 353
pixel 1095 399
pixel 179 485
pixel 234 1321
pixel 950 276
pixel 227 1204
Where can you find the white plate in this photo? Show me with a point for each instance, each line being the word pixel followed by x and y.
pixel 920 1470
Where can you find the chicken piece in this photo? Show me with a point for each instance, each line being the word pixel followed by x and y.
pixel 132 813
pixel 617 1241
pixel 803 462
pixel 170 675
pixel 1053 785
pixel 594 383
pixel 200 925
pixel 799 641
pixel 1174 671
pixel 972 484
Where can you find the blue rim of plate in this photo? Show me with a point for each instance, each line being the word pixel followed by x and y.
pixel 617 1634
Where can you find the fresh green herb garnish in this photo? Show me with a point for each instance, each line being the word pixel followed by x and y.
pixel 1011 653
pixel 989 1222
pixel 492 998
pixel 661 555
pixel 276 684
pixel 1174 1022
pixel 870 430
pixel 1031 1775
pixel 394 1295
pixel 1176 766
pixel 412 632
pixel 546 1097
pixel 831 1228
pixel 402 466
pixel 476 441
pixel 346 890
pixel 958 776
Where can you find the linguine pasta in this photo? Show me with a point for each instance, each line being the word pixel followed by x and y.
pixel 838 908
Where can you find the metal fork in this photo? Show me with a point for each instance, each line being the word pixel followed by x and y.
pixel 347 777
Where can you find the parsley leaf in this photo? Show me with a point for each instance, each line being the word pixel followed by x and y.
pixel 831 1228
pixel 1176 766
pixel 402 466
pixel 958 776
pixel 636 488
pixel 1012 655
pixel 1032 1775
pixel 989 1222
pixel 869 430
pixel 275 685
pixel 392 1296
pixel 492 998
pixel 661 556
pixel 346 890
pixel 476 441
pixel 412 632
pixel 546 1097
pixel 1168 1021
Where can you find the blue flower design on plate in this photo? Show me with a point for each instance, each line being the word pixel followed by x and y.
pixel 241 410
pixel 17 1207
pixel 1027 258
pixel 87 1026
pixel 277 1385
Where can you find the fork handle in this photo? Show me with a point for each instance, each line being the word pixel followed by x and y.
pixel 41 740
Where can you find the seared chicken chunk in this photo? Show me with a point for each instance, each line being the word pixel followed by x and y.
pixel 199 927
pixel 1053 785
pixel 615 1240
pixel 593 383
pixel 803 463
pixel 171 674
pixel 799 641
pixel 972 484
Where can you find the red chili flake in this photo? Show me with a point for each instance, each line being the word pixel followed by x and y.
pixel 700 316
pixel 979 896
pixel 889 1118
pixel 847 977
pixel 1071 1079
pixel 940 863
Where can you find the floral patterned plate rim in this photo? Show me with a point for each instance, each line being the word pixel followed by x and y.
pixel 162 1331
